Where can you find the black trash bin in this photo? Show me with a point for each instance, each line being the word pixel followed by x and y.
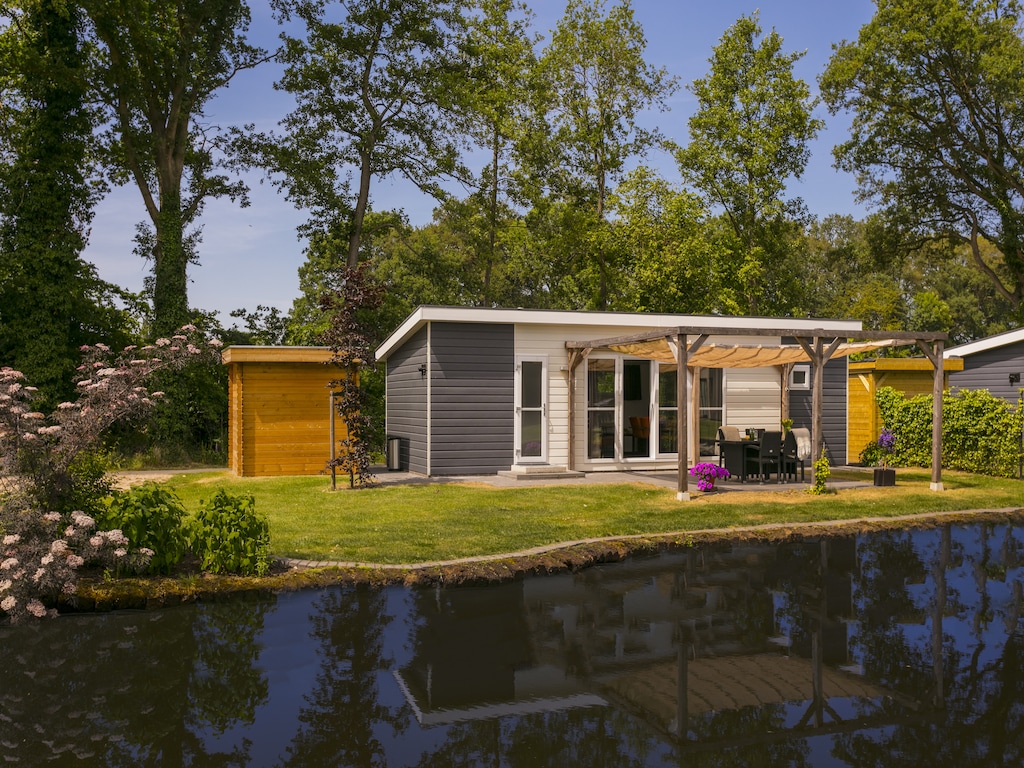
pixel 394 453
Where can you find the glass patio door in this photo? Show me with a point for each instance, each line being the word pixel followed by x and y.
pixel 531 411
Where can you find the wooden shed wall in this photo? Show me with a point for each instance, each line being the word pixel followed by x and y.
pixel 910 376
pixel 280 418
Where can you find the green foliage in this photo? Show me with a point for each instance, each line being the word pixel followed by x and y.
pixel 936 90
pixel 749 136
pixel 822 472
pixel 229 536
pixel 980 432
pixel 156 67
pixel 151 516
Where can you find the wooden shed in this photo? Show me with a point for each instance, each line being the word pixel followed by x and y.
pixel 910 375
pixel 279 410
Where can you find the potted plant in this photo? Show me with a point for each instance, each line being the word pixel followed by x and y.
pixel 884 474
pixel 707 473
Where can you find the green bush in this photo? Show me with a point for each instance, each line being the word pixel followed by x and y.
pixel 229 537
pixel 150 516
pixel 981 433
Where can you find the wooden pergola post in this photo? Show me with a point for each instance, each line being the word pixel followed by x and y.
pixel 933 351
pixel 682 420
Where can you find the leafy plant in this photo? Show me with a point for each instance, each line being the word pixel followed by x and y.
pixel 822 472
pixel 229 536
pixel 151 516
pixel 980 432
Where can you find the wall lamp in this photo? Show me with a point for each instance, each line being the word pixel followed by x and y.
pixel 423 370
pixel 1015 378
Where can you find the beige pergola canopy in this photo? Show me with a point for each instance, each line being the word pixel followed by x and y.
pixel 742 355
pixel 689 348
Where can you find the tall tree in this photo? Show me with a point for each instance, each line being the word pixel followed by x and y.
pixel 158 66
pixel 748 138
pixel 595 86
pixel 496 98
pixel 936 88
pixel 50 300
pixel 373 81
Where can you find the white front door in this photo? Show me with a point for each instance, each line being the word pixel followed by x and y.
pixel 531 410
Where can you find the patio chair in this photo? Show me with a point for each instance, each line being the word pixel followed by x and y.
pixel 730 434
pixel 796 449
pixel 767 456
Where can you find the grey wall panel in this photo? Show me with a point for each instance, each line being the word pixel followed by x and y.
pixel 834 409
pixel 472 381
pixel 406 394
pixel 991 370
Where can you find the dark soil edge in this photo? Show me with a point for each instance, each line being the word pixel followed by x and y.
pixel 97 594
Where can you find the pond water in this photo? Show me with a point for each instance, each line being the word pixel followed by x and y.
pixel 891 649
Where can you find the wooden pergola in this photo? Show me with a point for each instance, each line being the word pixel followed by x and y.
pixel 688 347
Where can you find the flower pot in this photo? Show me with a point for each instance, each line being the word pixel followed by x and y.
pixel 885 476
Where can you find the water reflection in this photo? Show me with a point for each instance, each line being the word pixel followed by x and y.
pixel 883 650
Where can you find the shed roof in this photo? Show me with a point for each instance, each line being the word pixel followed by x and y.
pixel 982 345
pixel 259 354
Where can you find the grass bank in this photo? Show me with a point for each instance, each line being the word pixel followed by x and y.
pixel 438 522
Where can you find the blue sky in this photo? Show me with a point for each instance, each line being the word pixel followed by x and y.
pixel 251 256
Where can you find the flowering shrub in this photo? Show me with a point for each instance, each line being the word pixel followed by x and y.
pixel 886 445
pixel 41 563
pixel 151 516
pixel 706 475
pixel 47 479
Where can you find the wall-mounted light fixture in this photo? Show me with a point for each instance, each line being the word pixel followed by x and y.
pixel 423 370
pixel 1015 378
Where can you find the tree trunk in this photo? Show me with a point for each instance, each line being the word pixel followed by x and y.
pixel 170 264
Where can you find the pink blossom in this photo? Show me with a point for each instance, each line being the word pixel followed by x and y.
pixel 192 349
pixel 179 337
pixel 36 608
pixel 9 563
pixel 84 383
pixel 8 602
pixel 137 362
pixel 129 348
pixel 29 436
pixel 67 406
pixel 31 389
pixel 59 547
pixel 188 327
pixel 11 538
pixel 96 541
pixel 51 517
pixel 120 552
pixel 5 585
pixel 74 561
pixel 146 551
pixel 68 588
pixel 158 394
pixel 69 531
pixel 82 520
pixel 102 347
pixel 162 342
pixel 46 559
pixel 216 343
pixel 40 572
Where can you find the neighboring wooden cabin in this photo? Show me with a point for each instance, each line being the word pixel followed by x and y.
pixel 480 391
pixel 910 375
pixel 994 363
pixel 279 410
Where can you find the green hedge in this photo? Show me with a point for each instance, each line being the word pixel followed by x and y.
pixel 981 433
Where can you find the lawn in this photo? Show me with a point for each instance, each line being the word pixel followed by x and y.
pixel 416 524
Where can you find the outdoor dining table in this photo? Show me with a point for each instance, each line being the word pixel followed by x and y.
pixel 734 456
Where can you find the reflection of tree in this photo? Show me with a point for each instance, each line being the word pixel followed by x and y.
pixel 590 737
pixel 227 686
pixel 745 725
pixel 130 689
pixel 344 714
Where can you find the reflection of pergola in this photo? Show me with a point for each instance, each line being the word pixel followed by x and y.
pixel 689 348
